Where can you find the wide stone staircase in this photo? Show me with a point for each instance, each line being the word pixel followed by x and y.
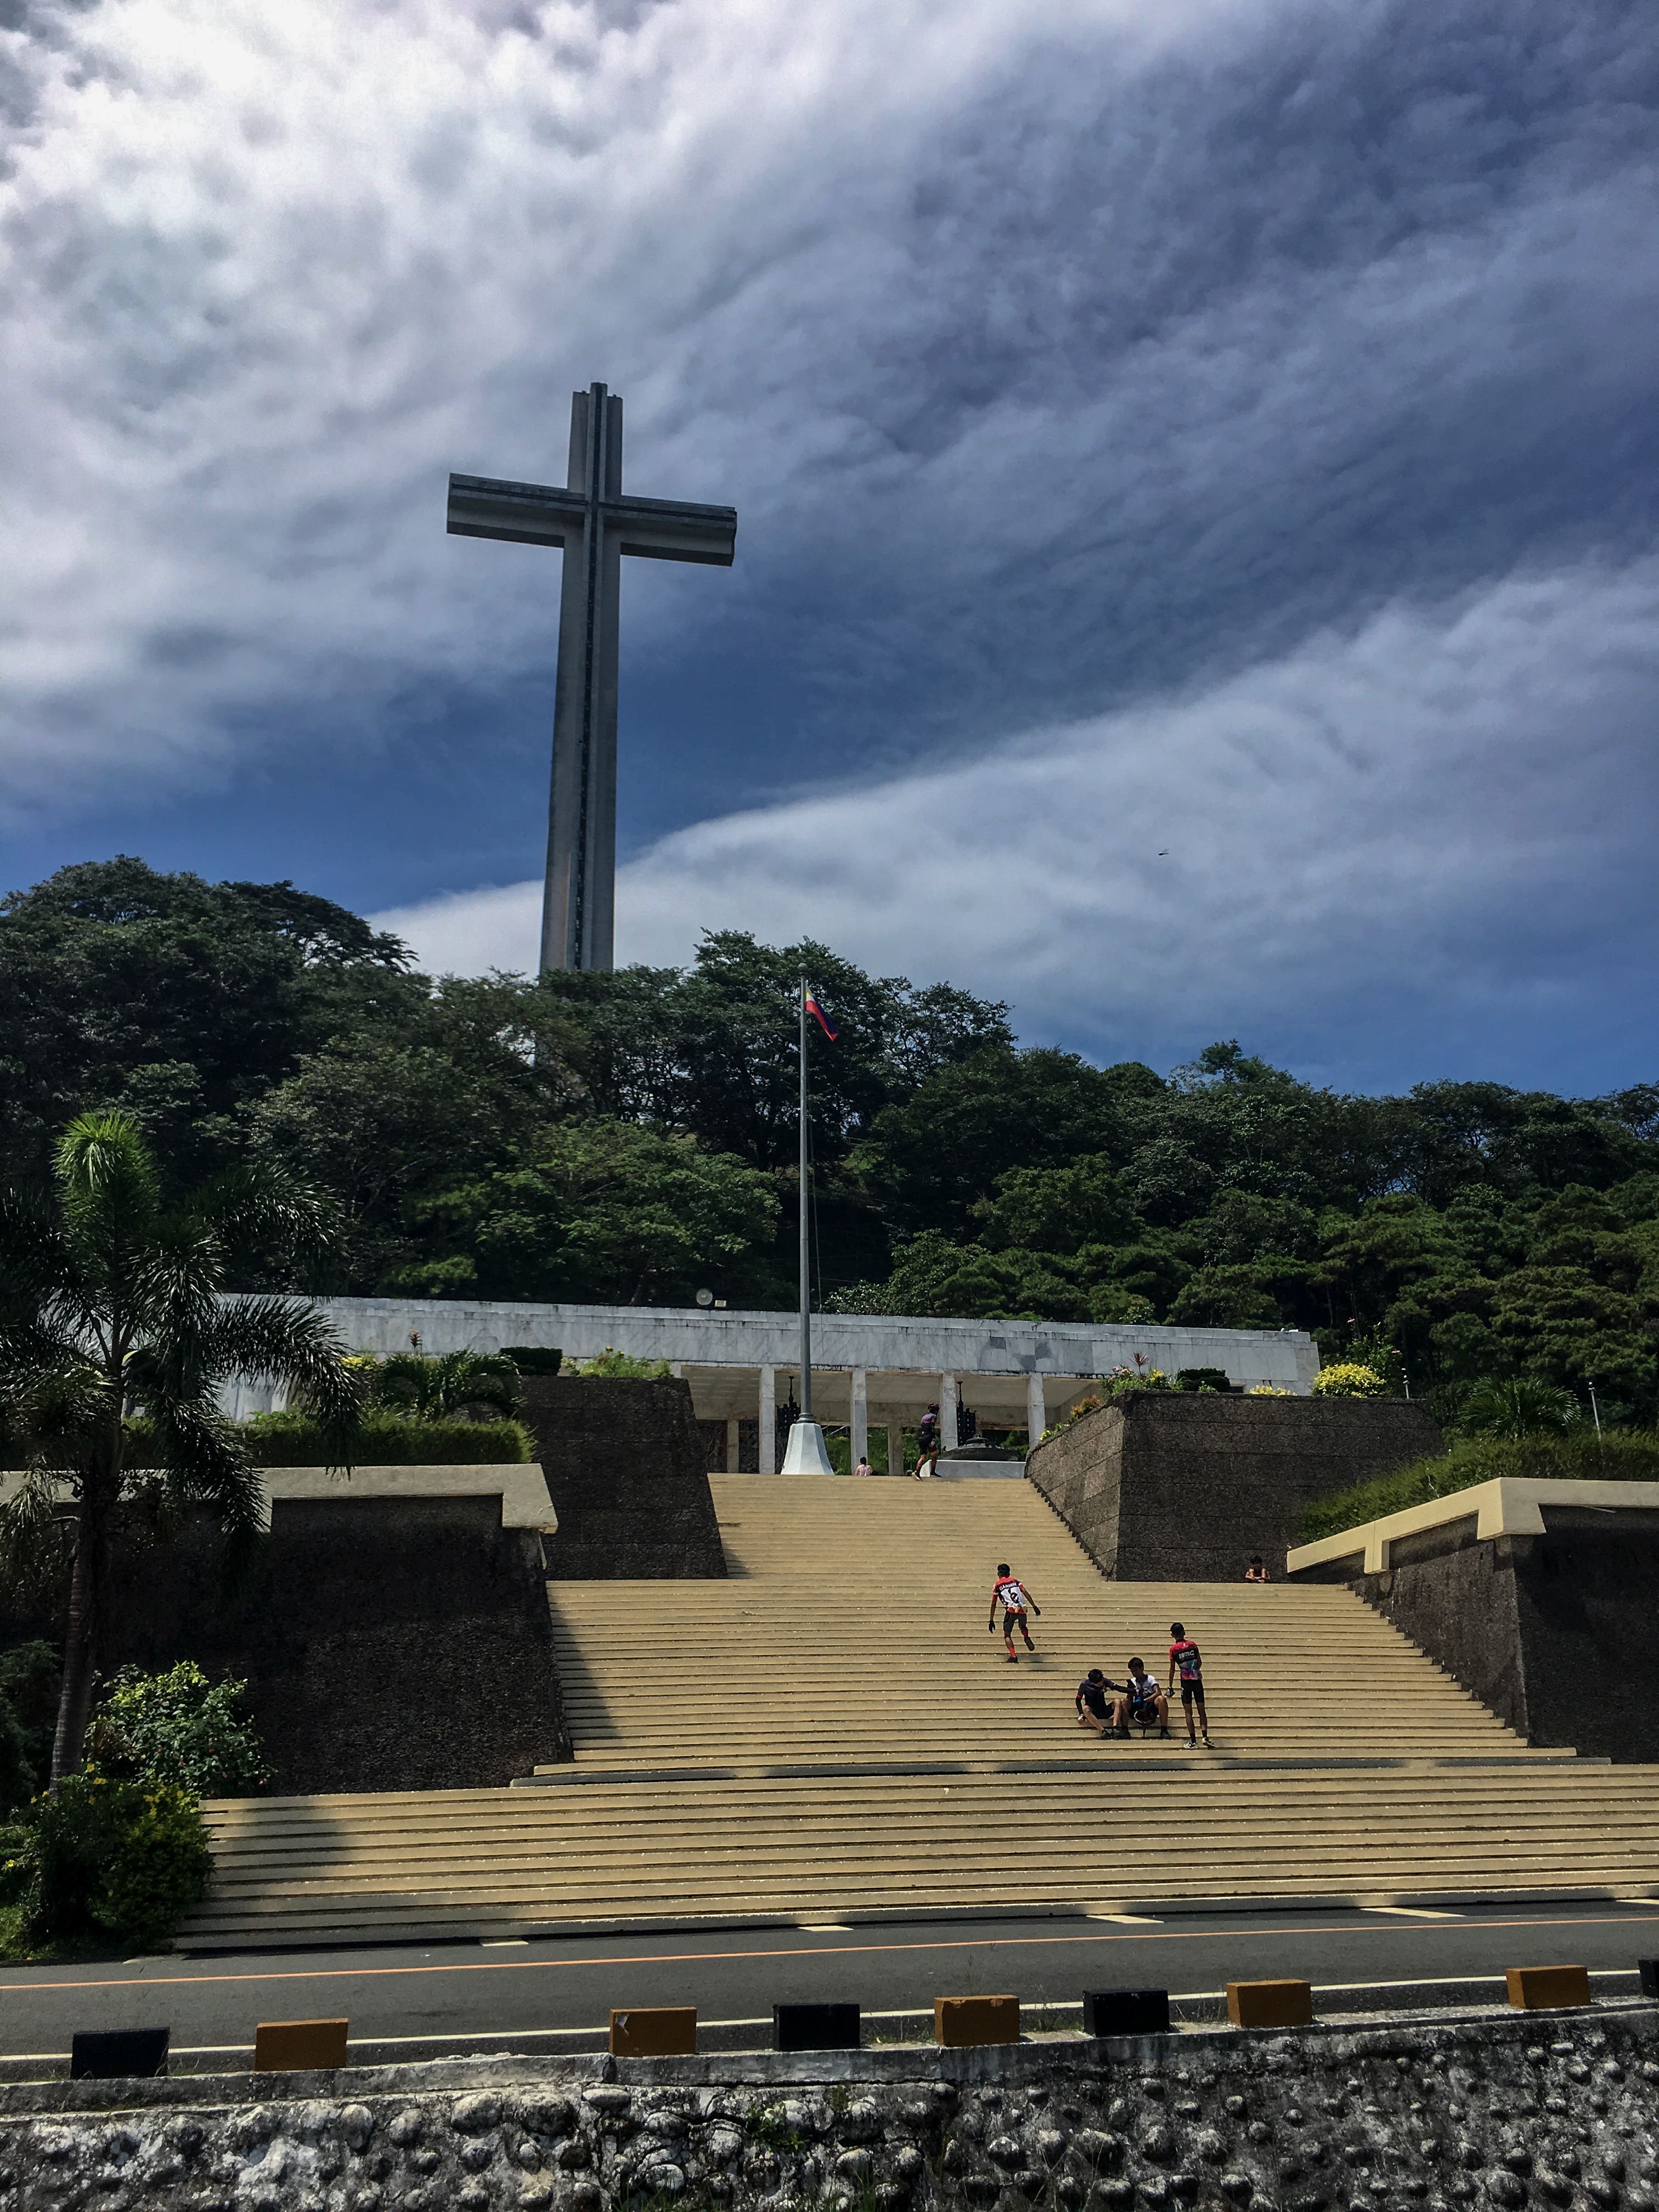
pixel 831 1734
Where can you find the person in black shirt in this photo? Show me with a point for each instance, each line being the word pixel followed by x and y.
pixel 1093 1709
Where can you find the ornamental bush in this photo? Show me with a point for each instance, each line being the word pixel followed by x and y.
pixel 389 1439
pixel 1125 1382
pixel 178 1728
pixel 124 1860
pixel 1347 1379
pixel 610 1364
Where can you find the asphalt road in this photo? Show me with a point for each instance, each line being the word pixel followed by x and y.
pixel 548 1995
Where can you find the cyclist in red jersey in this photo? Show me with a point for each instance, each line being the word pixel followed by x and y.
pixel 1185 1658
pixel 1014 1598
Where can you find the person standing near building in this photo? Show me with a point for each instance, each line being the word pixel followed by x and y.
pixel 927 1444
pixel 1187 1661
pixel 1014 1598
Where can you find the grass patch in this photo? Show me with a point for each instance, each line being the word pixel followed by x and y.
pixel 1619 1455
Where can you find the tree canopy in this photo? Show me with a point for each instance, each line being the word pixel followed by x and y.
pixel 632 1137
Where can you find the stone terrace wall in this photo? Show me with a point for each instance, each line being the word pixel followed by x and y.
pixel 1526 1622
pixel 388 1643
pixel 1162 1488
pixel 1500 2113
pixel 628 1473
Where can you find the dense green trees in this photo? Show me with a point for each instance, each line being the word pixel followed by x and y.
pixel 633 1137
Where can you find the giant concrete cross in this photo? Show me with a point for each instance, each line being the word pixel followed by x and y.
pixel 596 526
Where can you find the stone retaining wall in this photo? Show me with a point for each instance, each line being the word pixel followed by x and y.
pixel 628 1474
pixel 1498 2112
pixel 1162 1488
pixel 1526 1622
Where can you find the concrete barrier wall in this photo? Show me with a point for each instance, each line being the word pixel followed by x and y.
pixel 1160 1488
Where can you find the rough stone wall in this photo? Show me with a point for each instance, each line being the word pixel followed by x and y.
pixel 1456 1598
pixel 1505 2112
pixel 1163 1488
pixel 388 1643
pixel 1526 1622
pixel 628 1473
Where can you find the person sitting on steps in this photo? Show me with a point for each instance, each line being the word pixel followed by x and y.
pixel 1141 1702
pixel 1013 1599
pixel 1094 1708
pixel 1255 1572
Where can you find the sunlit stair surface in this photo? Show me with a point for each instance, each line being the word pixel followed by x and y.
pixel 831 1733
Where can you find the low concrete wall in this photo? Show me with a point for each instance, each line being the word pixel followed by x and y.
pixel 1405 2112
pixel 388 1643
pixel 626 1470
pixel 1162 1488
pixel 1551 1631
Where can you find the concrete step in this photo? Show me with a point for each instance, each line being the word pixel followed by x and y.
pixel 829 1734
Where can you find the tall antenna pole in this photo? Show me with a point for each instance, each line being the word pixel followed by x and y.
pixel 806 1255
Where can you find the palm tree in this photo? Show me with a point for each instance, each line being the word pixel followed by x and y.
pixel 1517 1406
pixel 470 1385
pixel 111 1308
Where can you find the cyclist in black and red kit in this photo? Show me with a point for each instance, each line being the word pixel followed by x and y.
pixel 1013 1599
pixel 1185 1658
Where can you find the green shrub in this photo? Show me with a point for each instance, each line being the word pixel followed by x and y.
pixel 178 1728
pixel 29 1677
pixel 1517 1406
pixel 1202 1379
pixel 120 1859
pixel 1622 1455
pixel 535 1359
pixel 1348 1379
pixel 390 1439
pixel 1125 1382
pixel 610 1363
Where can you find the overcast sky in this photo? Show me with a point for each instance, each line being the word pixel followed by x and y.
pixel 1195 463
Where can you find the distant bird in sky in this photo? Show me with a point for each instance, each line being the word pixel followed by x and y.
pixel 1165 854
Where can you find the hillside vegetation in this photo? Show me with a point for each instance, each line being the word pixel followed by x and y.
pixel 632 1138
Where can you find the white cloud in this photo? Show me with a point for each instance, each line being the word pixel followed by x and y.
pixel 1373 816
pixel 1046 346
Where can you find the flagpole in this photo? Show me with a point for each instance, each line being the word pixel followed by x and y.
pixel 805 1256
pixel 805 1452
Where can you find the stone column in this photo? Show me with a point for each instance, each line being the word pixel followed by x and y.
pixel 860 1414
pixel 734 1445
pixel 768 1420
pixel 1037 1418
pixel 895 1447
pixel 947 1412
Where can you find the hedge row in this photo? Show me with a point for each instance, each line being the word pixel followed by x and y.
pixel 1619 1455
pixel 391 1439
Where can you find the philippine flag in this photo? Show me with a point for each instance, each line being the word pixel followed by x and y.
pixel 816 1012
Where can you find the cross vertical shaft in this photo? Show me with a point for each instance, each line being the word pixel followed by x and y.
pixel 596 524
pixel 579 898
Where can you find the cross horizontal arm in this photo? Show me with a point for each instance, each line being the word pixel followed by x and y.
pixel 666 530
pixel 528 514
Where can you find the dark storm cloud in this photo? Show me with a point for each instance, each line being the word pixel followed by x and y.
pixel 1233 394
